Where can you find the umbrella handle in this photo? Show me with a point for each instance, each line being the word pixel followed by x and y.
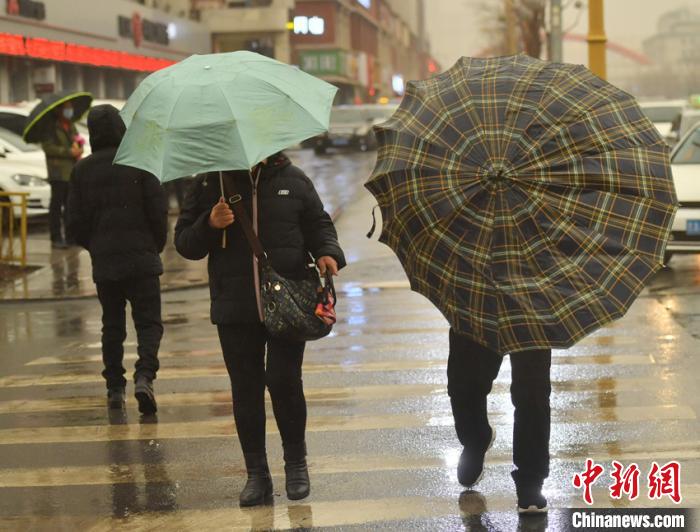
pixel 223 231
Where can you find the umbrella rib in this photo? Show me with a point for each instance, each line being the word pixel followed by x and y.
pixel 540 199
pixel 533 182
pixel 233 114
pixel 287 95
pixel 560 124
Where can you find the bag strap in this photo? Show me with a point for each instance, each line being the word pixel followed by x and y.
pixel 236 201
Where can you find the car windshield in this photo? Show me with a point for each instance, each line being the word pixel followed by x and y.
pixel 16 141
pixel 689 151
pixel 665 113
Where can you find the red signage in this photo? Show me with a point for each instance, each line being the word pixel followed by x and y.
pixel 39 48
pixel 12 44
pixel 13 7
pixel 137 29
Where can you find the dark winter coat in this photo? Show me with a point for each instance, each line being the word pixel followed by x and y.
pixel 118 213
pixel 291 224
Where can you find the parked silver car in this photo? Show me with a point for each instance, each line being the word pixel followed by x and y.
pixel 351 127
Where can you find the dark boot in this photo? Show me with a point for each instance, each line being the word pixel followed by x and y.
pixel 296 471
pixel 116 397
pixel 143 390
pixel 258 487
pixel 530 498
pixel 470 468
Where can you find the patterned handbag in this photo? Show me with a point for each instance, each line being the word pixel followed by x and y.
pixel 290 307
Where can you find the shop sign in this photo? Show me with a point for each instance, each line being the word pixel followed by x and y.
pixel 26 8
pixel 309 25
pixel 39 48
pixel 323 62
pixel 141 29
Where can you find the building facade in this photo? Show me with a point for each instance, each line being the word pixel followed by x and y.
pixel 367 48
pixel 675 52
pixel 102 46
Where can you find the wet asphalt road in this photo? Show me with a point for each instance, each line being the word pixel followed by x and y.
pixel 382 449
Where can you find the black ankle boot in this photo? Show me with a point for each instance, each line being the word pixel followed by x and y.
pixel 297 473
pixel 530 498
pixel 258 488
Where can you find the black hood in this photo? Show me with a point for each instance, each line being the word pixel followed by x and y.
pixel 105 126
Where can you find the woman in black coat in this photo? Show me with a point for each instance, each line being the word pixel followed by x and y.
pixel 292 224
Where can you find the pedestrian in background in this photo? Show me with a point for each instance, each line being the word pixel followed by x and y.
pixel 62 150
pixel 291 223
pixel 119 214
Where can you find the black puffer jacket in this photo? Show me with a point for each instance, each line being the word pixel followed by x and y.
pixel 116 212
pixel 291 224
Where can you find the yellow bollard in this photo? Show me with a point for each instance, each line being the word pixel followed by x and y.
pixel 596 39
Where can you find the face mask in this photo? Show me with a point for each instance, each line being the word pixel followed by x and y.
pixel 68 113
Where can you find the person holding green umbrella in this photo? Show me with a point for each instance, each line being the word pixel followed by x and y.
pixel 51 123
pixel 227 117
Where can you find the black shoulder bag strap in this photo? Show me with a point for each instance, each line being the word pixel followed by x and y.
pixel 235 200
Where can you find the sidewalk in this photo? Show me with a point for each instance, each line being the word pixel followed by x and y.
pixel 67 273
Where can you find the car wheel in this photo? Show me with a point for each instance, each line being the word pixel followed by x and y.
pixel 667 257
pixel 320 150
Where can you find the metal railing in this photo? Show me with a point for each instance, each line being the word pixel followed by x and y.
pixel 9 202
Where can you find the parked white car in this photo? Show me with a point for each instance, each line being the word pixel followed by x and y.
pixel 23 169
pixel 685 163
pixel 662 113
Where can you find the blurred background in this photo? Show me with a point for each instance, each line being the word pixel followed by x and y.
pixel 369 49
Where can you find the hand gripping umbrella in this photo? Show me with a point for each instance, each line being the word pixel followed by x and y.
pixel 41 121
pixel 529 201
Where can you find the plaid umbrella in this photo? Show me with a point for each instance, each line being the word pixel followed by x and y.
pixel 529 201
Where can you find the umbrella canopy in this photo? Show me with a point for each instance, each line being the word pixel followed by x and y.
pixel 41 120
pixel 529 201
pixel 220 112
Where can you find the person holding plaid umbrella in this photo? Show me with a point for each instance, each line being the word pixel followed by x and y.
pixel 530 202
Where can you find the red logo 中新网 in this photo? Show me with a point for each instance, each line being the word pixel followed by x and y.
pixel 663 481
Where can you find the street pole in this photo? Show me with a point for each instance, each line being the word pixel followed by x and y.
pixel 596 38
pixel 555 35
pixel 511 43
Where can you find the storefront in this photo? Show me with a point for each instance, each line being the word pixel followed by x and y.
pixel 337 44
pixel 52 45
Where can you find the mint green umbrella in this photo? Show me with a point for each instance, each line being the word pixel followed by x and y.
pixel 220 112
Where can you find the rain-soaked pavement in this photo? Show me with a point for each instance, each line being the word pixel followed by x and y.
pixel 382 448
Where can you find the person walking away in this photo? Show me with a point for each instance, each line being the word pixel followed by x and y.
pixel 291 223
pixel 119 214
pixel 471 370
pixel 62 150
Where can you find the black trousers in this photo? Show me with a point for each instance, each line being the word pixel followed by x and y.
pixel 471 370
pixel 58 210
pixel 144 295
pixel 243 346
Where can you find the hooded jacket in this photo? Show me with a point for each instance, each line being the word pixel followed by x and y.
pixel 118 213
pixel 292 225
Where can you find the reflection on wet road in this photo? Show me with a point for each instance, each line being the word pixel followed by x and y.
pixel 382 449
